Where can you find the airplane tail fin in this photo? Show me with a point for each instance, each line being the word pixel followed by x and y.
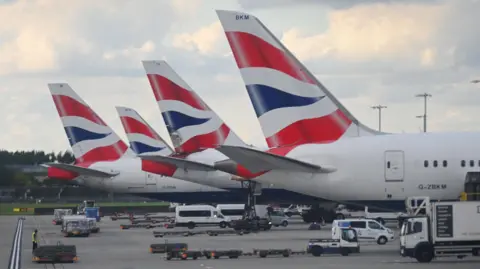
pixel 292 106
pixel 142 137
pixel 91 139
pixel 192 125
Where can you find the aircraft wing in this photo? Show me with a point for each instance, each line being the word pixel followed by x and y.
pixel 257 161
pixel 180 163
pixel 81 170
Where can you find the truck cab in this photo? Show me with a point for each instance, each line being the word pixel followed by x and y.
pixel 346 243
pixel 413 236
pixel 450 228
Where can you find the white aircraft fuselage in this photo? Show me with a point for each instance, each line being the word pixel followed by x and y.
pixel 384 169
pixel 134 179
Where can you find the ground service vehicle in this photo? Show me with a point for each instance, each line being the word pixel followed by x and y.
pixel 55 253
pixel 92 212
pixel 278 218
pixel 367 230
pixel 346 243
pixel 92 225
pixel 85 204
pixel 58 215
pixel 343 212
pixel 232 211
pixel 199 215
pixel 295 210
pixel 75 226
pixel 448 229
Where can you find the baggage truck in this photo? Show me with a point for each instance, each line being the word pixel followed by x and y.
pixel 447 229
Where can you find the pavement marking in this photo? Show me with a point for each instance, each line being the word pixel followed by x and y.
pixel 15 261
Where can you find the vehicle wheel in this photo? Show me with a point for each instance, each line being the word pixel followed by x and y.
pixel 424 254
pixel 284 223
pixel 191 225
pixel 223 224
pixel 263 254
pixel 233 257
pixel 476 252
pixel 286 253
pixel 317 251
pixel 339 216
pixel 380 220
pixel 382 240
pixel 344 251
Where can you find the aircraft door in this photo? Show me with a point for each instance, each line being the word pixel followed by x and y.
pixel 150 182
pixel 394 166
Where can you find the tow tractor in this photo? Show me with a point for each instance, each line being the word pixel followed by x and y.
pixel 447 229
pixel 348 243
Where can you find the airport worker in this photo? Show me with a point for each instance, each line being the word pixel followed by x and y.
pixel 34 240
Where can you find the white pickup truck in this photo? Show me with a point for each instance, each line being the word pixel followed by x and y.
pixel 346 244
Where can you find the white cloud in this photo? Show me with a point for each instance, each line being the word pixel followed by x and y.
pixel 205 40
pixel 136 54
pixel 368 32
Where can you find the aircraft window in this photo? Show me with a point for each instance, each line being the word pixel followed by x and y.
pixel 472 163
pixel 425 163
pixel 445 163
pixel 435 163
pixel 462 163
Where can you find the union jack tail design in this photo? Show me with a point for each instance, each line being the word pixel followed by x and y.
pixel 292 106
pixel 192 125
pixel 91 139
pixel 143 139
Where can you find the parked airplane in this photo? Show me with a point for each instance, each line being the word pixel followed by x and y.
pixel 306 124
pixel 196 166
pixel 104 161
pixel 145 142
pixel 142 138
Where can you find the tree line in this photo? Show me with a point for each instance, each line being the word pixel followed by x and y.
pixel 11 174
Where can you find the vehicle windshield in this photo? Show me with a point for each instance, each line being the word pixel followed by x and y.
pixel 349 235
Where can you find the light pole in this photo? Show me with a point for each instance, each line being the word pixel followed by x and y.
pixel 424 116
pixel 379 107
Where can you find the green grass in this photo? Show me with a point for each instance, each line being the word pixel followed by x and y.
pixel 7 208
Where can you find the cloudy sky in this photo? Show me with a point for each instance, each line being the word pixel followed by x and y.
pixel 366 52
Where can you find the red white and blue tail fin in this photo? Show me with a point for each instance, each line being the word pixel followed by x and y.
pixel 91 139
pixel 192 125
pixel 293 107
pixel 142 137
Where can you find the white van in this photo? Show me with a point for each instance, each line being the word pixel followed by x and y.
pixel 367 230
pixel 192 216
pixel 232 211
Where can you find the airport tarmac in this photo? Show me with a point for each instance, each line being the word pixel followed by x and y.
pixel 113 248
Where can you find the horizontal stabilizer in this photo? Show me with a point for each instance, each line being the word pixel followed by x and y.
pixel 258 161
pixel 180 163
pixel 81 170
